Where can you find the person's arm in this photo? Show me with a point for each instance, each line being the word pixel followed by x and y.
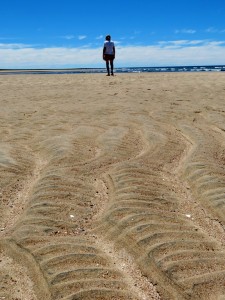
pixel 114 51
pixel 103 53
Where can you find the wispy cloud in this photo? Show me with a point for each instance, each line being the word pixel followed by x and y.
pixel 99 37
pixel 211 30
pixel 68 36
pixel 13 46
pixel 82 37
pixel 117 42
pixel 214 30
pixel 177 52
pixel 216 43
pixel 181 43
pixel 8 38
pixel 187 31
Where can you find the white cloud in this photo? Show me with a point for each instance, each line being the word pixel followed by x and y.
pixel 196 42
pixel 211 30
pixel 214 30
pixel 49 57
pixel 99 37
pixel 13 46
pixel 181 52
pixel 203 54
pixel 218 43
pixel 82 37
pixel 8 38
pixel 68 37
pixel 188 31
pixel 181 43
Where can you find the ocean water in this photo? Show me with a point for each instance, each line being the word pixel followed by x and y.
pixel 215 68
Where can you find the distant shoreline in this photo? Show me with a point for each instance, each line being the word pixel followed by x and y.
pixel 211 68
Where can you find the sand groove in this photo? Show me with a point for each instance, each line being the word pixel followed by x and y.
pixel 59 209
pixel 205 175
pixel 138 220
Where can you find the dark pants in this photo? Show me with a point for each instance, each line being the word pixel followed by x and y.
pixel 109 60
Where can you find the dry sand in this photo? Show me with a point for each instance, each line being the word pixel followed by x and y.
pixel 112 187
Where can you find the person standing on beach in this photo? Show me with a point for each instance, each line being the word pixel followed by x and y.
pixel 109 53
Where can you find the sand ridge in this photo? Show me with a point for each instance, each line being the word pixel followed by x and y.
pixel 112 187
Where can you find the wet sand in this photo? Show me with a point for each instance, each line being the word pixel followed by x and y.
pixel 112 187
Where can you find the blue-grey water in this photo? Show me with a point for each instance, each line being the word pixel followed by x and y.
pixel 214 68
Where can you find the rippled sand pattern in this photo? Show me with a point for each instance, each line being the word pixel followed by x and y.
pixel 112 188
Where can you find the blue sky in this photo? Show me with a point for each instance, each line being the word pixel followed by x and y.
pixel 70 33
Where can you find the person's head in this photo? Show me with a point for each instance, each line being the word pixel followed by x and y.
pixel 108 37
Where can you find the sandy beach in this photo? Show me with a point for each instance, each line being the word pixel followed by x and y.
pixel 112 187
